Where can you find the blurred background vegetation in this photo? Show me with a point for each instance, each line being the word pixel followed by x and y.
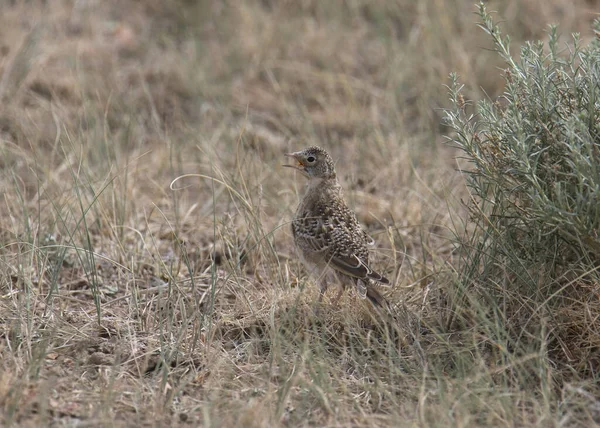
pixel 128 299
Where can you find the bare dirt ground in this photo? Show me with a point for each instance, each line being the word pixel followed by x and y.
pixel 147 275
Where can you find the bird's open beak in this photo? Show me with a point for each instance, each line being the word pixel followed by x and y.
pixel 299 165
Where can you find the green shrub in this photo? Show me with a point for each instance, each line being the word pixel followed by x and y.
pixel 536 157
pixel 529 259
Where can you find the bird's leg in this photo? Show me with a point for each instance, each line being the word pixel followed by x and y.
pixel 339 295
pixel 322 290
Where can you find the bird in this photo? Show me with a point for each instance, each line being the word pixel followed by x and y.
pixel 328 237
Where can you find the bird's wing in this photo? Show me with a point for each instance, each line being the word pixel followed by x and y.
pixel 349 254
pixel 368 238
pixel 353 266
pixel 339 237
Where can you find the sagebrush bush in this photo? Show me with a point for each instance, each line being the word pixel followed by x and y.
pixel 536 151
pixel 533 167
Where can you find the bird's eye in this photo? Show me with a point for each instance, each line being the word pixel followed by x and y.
pixel 310 159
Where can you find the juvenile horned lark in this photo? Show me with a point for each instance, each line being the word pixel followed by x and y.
pixel 329 239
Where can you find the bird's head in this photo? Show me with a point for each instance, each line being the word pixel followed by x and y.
pixel 314 162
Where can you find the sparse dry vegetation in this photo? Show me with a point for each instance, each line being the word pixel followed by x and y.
pixel 147 275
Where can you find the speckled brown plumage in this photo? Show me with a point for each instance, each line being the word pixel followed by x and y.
pixel 330 241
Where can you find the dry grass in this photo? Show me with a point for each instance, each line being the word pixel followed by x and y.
pixel 129 296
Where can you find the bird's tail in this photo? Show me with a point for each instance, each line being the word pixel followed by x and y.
pixel 376 298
